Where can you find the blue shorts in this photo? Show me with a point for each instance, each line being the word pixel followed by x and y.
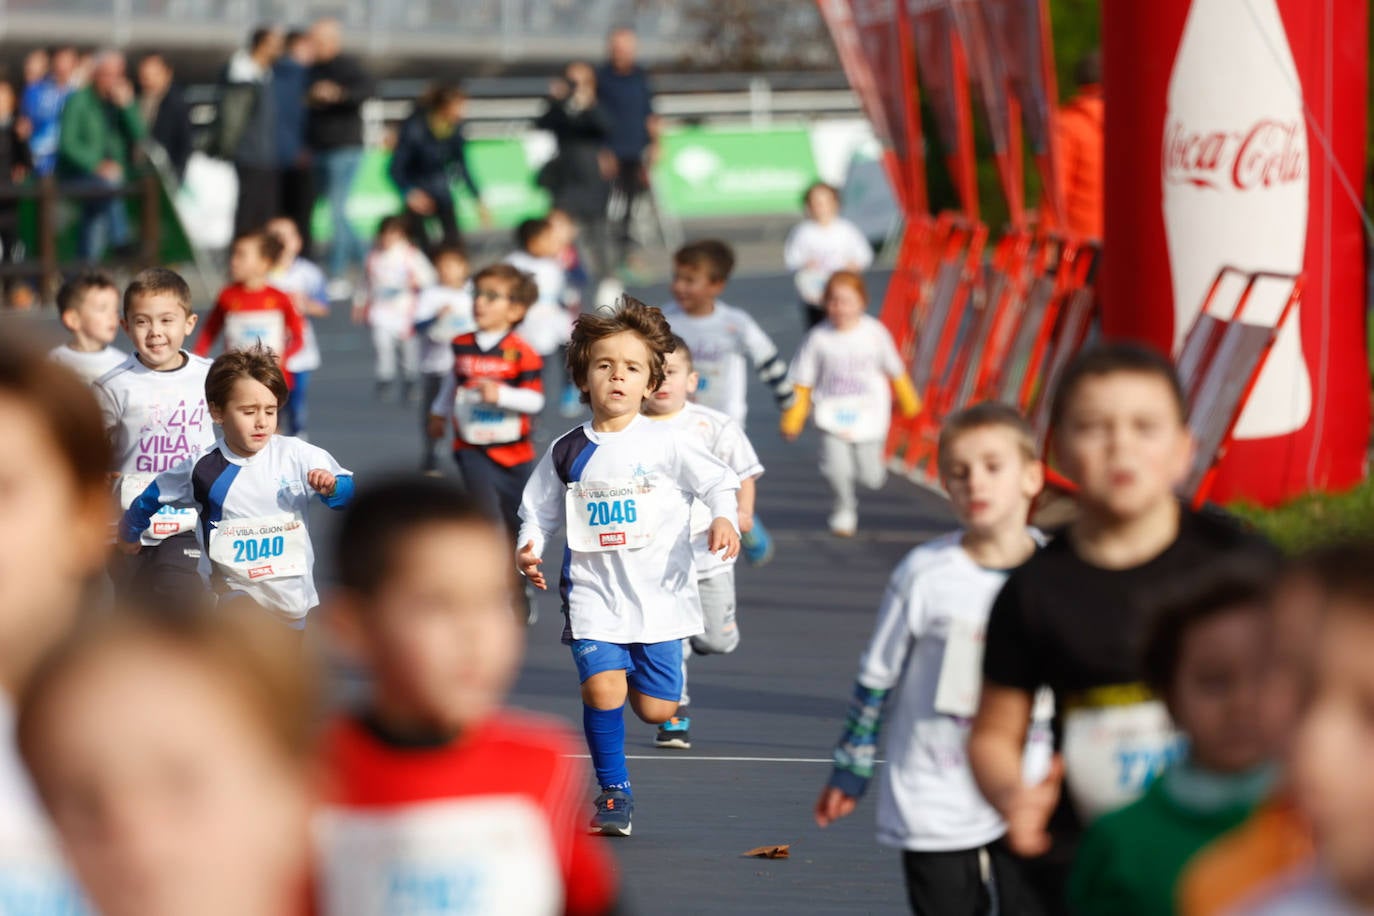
pixel 653 669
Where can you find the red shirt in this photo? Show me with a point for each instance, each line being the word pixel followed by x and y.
pixel 511 362
pixel 249 315
pixel 493 822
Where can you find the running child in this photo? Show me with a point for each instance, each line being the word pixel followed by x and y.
pixel 725 439
pixel 396 272
pixel 54 535
pixel 575 292
pixel 156 418
pixel 443 312
pixel 851 365
pixel 249 310
pixel 435 779
pixel 253 490
pixel 621 486
pixel 88 307
pixel 548 326
pixel 302 280
pixel 144 730
pixel 1207 656
pixel 821 244
pixel 491 394
pixel 919 679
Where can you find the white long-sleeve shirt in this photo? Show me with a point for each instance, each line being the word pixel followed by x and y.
pixel 813 252
pixel 850 375
pixel 625 500
pixel 724 343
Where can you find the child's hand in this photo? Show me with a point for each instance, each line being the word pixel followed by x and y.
pixel 1027 812
pixel 490 389
pixel 360 314
pixel 130 548
pixel 791 425
pixel 435 427
pixel 529 566
pixel 833 805
pixel 723 538
pixel 321 481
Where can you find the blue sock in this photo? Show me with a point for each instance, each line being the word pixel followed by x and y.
pixel 605 730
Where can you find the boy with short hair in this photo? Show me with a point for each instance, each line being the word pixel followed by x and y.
pixel 435 780
pixel 88 306
pixel 725 439
pixel 1072 617
pixel 622 486
pixel 920 678
pixel 156 417
pixel 443 312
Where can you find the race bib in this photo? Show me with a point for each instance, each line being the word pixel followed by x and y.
pixel 841 416
pixel 1111 753
pixel 244 330
pixel 258 549
pixel 961 670
pixel 484 424
pixel 710 388
pixel 612 515
pixel 167 521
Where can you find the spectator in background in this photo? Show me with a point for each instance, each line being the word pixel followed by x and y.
pixel 42 105
pixel 338 86
pixel 624 92
pixel 165 112
pixel 297 181
pixel 577 175
pixel 15 165
pixel 430 147
pixel 99 129
pixel 1079 138
pixel 248 103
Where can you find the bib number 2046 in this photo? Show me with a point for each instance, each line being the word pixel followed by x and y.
pixel 611 512
pixel 254 549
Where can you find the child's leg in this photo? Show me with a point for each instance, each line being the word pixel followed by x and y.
pixel 868 462
pixel 948 882
pixel 655 680
pixel 384 345
pixel 721 635
pixel 603 709
pixel 483 479
pixel 429 390
pixel 837 467
pixel 510 488
pixel 410 358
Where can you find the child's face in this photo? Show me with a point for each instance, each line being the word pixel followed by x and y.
pixel 618 376
pixel 169 798
pixel 822 205
pixel 564 229
pixel 50 539
pixel 441 636
pixel 157 325
pixel 1334 751
pixel 492 307
pixel 545 244
pixel 844 306
pixel 695 289
pixel 679 381
pixel 1218 686
pixel 1123 441
pixel 390 239
pixel 452 270
pixel 7 103
pixel 989 481
pixel 290 236
pixel 97 317
pixel 249 419
pixel 247 264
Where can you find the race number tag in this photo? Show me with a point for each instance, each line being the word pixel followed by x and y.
pixel 245 330
pixel 611 515
pixel 840 416
pixel 257 549
pixel 1111 753
pixel 961 670
pixel 484 424
pixel 167 521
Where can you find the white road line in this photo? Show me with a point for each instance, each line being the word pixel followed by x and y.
pixel 670 756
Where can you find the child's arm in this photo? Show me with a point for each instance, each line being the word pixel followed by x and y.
pixel 860 253
pixel 712 481
pixel 794 256
pixel 904 392
pixel 336 490
pixel 441 410
pixel 763 353
pixel 295 327
pixel 746 504
pixel 171 487
pixel 733 447
pixel 803 374
pixel 214 322
pixel 794 417
pixel 541 514
pixel 525 393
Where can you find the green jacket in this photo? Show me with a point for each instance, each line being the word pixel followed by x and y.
pixel 92 131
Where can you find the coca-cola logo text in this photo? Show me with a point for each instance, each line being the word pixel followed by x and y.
pixel 1270 153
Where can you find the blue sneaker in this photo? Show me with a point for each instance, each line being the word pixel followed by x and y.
pixel 613 810
pixel 675 733
pixel 757 545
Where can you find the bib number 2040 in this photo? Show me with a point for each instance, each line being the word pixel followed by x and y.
pixel 611 512
pixel 254 549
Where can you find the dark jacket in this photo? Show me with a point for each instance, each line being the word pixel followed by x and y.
pixel 628 100
pixel 424 161
pixel 339 125
pixel 171 128
pixel 288 86
pixel 574 176
pixel 14 153
pixel 94 130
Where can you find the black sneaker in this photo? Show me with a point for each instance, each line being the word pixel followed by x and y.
pixel 675 733
pixel 613 810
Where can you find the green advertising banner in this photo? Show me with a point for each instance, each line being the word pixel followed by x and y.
pixel 734 172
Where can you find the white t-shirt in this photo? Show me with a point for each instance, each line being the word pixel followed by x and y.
pixel 34 878
pixel 628 571
pixel 813 252
pixel 928 648
pixel 395 277
pixel 90 366
pixel 303 278
pixel 850 376
pixel 725 439
pixel 436 340
pixel 155 421
pixel 256 518
pixel 548 324
pixel 724 344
